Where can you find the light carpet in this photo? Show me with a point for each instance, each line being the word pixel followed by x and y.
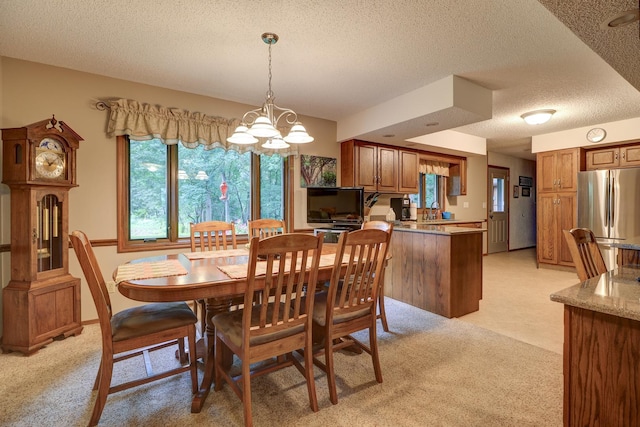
pixel 437 371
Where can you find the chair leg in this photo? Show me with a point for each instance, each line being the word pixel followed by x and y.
pixel 308 372
pixel 383 313
pixel 182 354
pixel 106 369
pixel 246 393
pixel 193 358
pixel 331 376
pixel 218 364
pixel 373 345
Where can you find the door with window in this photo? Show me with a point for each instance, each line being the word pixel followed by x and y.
pixel 498 197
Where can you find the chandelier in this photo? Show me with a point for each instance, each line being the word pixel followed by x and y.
pixel 263 122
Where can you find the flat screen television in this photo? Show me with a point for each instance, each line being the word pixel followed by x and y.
pixel 335 205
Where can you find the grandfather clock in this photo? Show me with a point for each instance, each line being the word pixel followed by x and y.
pixel 42 300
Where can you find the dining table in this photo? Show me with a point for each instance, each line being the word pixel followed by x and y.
pixel 215 276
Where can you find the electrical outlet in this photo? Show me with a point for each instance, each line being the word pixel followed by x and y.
pixel 465 205
pixel 111 286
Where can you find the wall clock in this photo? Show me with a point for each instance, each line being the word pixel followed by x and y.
pixel 42 300
pixel 596 135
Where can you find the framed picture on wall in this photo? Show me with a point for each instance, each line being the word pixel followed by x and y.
pixel 516 191
pixel 526 192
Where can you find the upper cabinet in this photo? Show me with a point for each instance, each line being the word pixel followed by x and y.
pixel 558 170
pixel 378 168
pixel 408 162
pixel 457 180
pixel 614 157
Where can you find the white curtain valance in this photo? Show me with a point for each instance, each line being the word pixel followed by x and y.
pixel 434 168
pixel 172 125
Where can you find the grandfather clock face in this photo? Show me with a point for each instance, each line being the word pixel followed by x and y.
pixel 50 160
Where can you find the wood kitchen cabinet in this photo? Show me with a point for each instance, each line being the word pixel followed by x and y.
pixel 556 212
pixel 614 157
pixel 368 165
pixel 408 172
pixel 558 170
pixel 457 179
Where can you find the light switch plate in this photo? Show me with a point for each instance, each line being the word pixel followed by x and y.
pixel 465 204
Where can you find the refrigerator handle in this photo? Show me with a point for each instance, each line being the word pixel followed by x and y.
pixel 607 202
pixel 612 200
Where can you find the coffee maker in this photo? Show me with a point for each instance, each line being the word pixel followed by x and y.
pixel 402 207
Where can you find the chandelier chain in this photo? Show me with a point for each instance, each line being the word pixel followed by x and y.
pixel 269 91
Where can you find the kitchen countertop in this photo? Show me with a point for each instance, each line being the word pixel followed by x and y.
pixel 615 292
pixel 632 243
pixel 436 227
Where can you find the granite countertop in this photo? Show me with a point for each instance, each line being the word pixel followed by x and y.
pixel 436 227
pixel 616 292
pixel 632 243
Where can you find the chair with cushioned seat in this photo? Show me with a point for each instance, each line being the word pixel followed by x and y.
pixel 271 330
pixel 349 305
pixel 388 227
pixel 134 331
pixel 585 253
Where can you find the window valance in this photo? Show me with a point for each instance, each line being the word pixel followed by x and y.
pixel 172 125
pixel 434 168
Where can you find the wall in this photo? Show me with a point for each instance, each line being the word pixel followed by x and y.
pixel 522 211
pixel 30 92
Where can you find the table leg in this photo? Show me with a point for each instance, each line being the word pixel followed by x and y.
pixel 214 306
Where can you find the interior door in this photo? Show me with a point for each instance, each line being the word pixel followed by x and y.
pixel 498 197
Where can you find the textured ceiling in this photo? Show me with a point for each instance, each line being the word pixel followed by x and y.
pixel 338 58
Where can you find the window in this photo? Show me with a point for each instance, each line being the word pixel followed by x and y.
pixel 430 191
pixel 166 187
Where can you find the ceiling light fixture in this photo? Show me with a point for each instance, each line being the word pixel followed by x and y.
pixel 623 18
pixel 538 117
pixel 263 122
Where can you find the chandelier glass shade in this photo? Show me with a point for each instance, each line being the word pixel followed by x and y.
pixel 264 122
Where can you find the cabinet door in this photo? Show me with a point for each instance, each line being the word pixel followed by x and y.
pixel 567 170
pixel 366 163
pixel 408 172
pixel 546 171
pixel 547 228
pixel 603 159
pixel 630 156
pixel 566 214
pixel 387 169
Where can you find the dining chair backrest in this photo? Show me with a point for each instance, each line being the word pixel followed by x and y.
pixel 288 280
pixel 266 227
pixel 585 253
pixel 95 280
pixel 210 235
pixel 379 225
pixel 357 273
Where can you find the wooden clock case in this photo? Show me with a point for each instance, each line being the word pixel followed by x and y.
pixel 42 300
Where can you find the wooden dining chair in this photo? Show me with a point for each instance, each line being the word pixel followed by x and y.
pixel 585 253
pixel 388 227
pixel 212 235
pixel 349 305
pixel 134 331
pixel 209 236
pixel 266 227
pixel 276 327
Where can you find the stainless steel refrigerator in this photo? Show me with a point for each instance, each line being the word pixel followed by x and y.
pixel 609 205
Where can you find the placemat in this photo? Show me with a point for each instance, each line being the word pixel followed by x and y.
pixel 149 270
pixel 239 271
pixel 217 254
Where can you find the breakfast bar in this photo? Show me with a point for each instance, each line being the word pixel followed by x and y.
pixel 602 349
pixel 436 267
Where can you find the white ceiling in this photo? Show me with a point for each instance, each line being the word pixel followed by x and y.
pixel 338 58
